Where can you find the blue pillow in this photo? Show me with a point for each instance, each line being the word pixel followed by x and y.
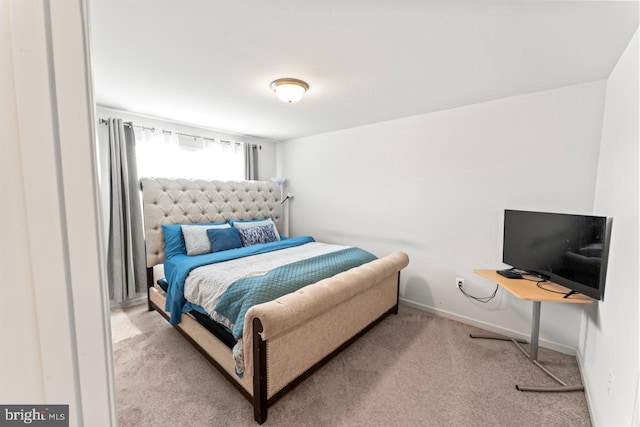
pixel 222 239
pixel 174 240
pixel 255 235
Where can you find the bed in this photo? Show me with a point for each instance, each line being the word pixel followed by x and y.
pixel 283 340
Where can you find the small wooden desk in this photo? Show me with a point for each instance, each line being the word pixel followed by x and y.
pixel 529 291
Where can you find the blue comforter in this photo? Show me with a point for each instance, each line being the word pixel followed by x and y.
pixel 177 268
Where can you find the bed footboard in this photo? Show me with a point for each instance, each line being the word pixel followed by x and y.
pixel 294 335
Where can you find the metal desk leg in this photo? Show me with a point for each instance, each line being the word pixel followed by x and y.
pixel 535 331
pixel 532 354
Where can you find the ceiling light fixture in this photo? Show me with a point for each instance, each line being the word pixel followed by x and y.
pixel 289 90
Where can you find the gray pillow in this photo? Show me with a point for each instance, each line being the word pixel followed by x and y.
pixel 196 240
pixel 255 235
pixel 257 223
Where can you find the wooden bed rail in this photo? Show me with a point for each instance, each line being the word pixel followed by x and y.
pixel 150 285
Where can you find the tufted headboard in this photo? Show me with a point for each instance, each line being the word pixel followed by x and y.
pixel 183 201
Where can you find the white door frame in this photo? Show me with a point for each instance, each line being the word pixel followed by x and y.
pixel 55 112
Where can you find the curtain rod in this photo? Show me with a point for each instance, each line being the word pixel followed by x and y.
pixel 195 136
pixel 128 124
pixel 152 129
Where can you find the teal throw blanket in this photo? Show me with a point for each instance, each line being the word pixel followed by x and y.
pixel 245 293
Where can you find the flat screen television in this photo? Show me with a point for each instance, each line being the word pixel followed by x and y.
pixel 570 250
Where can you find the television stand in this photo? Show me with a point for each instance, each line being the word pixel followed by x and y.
pixel 527 290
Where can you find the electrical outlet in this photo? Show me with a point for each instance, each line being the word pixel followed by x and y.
pixel 459 283
pixel 610 383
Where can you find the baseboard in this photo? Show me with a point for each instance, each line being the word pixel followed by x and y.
pixel 138 299
pixel 488 326
pixel 585 383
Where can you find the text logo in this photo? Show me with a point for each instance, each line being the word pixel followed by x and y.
pixel 36 415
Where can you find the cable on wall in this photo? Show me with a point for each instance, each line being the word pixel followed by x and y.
pixel 483 300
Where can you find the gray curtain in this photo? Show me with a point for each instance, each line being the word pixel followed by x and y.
pixel 251 161
pixel 126 267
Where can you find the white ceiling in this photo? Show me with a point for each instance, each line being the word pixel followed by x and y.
pixel 210 63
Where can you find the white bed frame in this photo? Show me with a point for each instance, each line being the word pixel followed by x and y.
pixel 284 340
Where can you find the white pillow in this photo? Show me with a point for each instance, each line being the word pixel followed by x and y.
pixel 257 223
pixel 196 241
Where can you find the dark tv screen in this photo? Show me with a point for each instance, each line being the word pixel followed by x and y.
pixel 570 250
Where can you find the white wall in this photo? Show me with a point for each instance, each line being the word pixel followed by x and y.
pixel 435 186
pixel 609 337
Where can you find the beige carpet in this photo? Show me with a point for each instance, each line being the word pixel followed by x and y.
pixel 412 369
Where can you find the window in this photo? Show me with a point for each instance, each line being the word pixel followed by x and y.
pixel 171 155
